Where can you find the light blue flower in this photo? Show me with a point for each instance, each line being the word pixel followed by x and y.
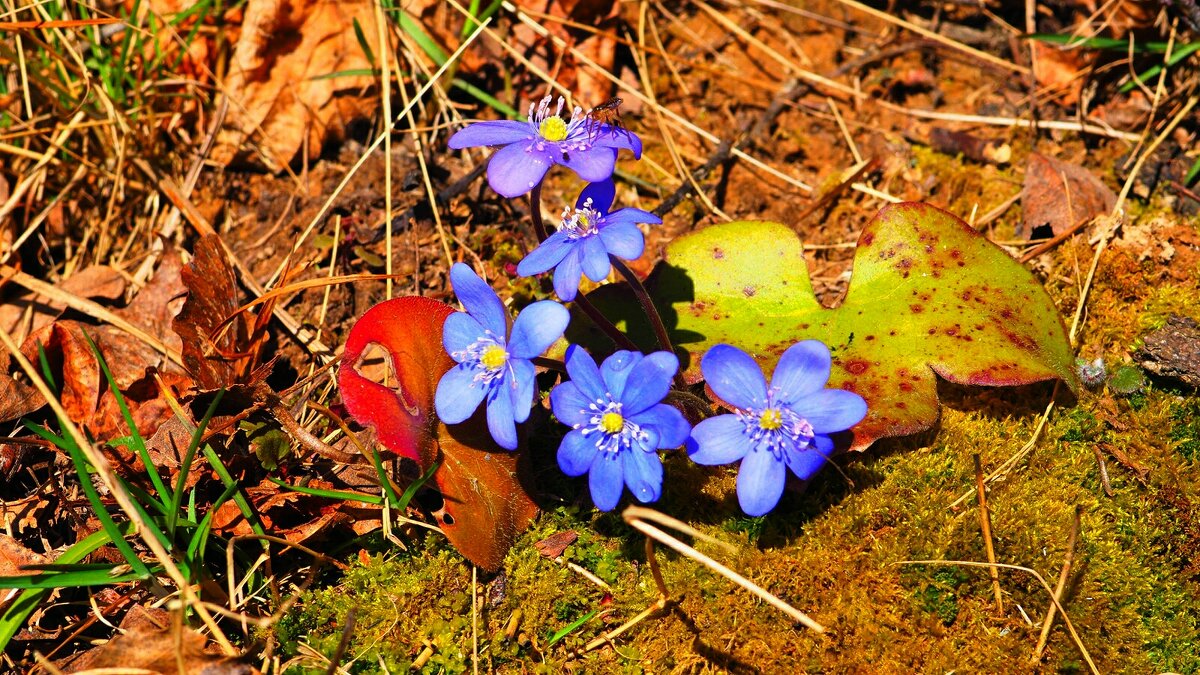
pixel 493 364
pixel 586 237
pixel 783 425
pixel 618 423
pixel 546 138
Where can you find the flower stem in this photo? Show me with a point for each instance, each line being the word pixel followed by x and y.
pixel 656 322
pixel 539 226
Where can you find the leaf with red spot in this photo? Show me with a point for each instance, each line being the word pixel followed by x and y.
pixel 929 295
pixel 486 506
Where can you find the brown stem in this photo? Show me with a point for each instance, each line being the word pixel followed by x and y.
pixel 656 322
pixel 535 212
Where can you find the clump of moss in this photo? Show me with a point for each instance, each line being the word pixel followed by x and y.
pixel 1185 428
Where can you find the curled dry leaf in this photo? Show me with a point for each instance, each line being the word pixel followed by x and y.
pixel 1060 194
pixel 296 79
pixel 485 505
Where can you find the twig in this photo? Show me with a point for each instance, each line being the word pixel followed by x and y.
pixel 344 642
pixel 1063 575
pixel 985 524
pixel 1055 241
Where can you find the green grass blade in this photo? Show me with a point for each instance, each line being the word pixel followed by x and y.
pixel 18 612
pixel 239 497
pixel 185 467
pixel 44 362
pixel 199 542
pixel 98 576
pixel 1177 56
pixel 139 444
pixel 1192 173
pixel 411 491
pixel 362 42
pixel 1099 43
pixel 341 495
pixel 393 499
pixel 564 632
pixel 419 36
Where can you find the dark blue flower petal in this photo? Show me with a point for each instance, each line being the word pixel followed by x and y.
pixel 566 275
pixel 457 395
pixel 618 138
pixel 734 377
pixel 632 216
pixel 548 254
pixel 515 169
pixel 601 193
pixel 576 453
pixel 536 328
pixel 802 370
pixel 595 258
pixel 495 132
pixel 569 404
pixel 592 165
pixel 643 474
pixel 807 462
pixel 584 373
pixel 760 482
pixel 831 410
pixel 719 440
pixel 479 300
pixel 523 374
pixel 668 424
pixel 649 382
pixel 500 417
pixel 623 240
pixel 605 481
pixel 460 331
pixel 615 371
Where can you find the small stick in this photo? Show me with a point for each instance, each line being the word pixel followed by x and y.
pixel 1063 574
pixel 1104 483
pixel 664 597
pixel 344 642
pixel 985 523
pixel 1055 241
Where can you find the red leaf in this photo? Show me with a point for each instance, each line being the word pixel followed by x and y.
pixel 485 506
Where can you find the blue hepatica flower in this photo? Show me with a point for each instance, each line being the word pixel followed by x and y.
pixel 586 237
pixel 618 423
pixel 493 364
pixel 530 148
pixel 785 424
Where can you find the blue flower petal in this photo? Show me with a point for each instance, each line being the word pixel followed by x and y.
pixel 623 240
pixel 605 481
pixel 536 328
pixel 566 275
pixel 802 370
pixel 760 482
pixel 615 371
pixel 500 417
pixel 643 474
pixel 523 374
pixel 649 382
pixel 576 453
pixel 479 300
pixel 457 395
pixel 668 424
pixel 584 373
pixel 719 440
pixel 618 138
pixel 595 259
pixel 593 165
pixel 601 193
pixel 495 132
pixel 632 216
pixel 515 169
pixel 831 410
pixel 548 254
pixel 569 404
pixel 460 331
pixel 734 377
pixel 807 462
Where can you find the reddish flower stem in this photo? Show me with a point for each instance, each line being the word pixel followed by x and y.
pixel 656 321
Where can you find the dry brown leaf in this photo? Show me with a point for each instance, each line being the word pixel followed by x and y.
pixel 150 648
pixel 277 85
pixel 1058 70
pixel 1060 194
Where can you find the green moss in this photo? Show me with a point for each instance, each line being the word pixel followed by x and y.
pixel 1185 428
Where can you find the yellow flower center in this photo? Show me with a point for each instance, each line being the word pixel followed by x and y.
pixel 553 128
pixel 770 419
pixel 612 422
pixel 493 357
pixel 584 221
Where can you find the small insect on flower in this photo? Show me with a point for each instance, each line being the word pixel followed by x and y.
pixel 608 112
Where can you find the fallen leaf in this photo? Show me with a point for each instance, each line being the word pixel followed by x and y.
pixel 554 545
pixel 1060 194
pixel 485 505
pixel 295 78
pixel 216 352
pixel 929 296
pixel 144 646
pixel 1057 69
